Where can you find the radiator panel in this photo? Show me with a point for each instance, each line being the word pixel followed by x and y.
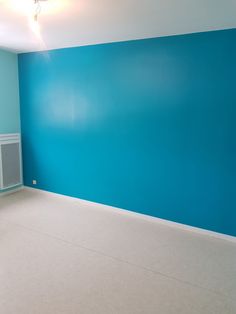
pixel 10 161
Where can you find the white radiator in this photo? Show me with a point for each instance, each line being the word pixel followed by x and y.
pixel 10 161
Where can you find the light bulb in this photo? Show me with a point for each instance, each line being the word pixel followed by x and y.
pixel 26 7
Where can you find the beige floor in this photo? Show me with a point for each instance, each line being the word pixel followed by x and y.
pixel 60 255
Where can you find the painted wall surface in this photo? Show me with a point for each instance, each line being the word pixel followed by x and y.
pixel 144 125
pixel 9 93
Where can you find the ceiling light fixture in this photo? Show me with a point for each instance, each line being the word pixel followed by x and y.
pixel 37 9
pixel 34 24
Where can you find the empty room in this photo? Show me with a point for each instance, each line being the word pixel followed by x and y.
pixel 117 157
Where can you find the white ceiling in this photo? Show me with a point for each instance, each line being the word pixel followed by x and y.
pixel 67 23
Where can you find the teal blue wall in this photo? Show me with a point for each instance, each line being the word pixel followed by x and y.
pixel 145 125
pixel 9 93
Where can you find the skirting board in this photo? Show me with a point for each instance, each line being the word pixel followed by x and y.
pixel 142 216
pixel 21 187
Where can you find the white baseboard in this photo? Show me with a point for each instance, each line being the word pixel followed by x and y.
pixel 169 223
pixel 13 190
